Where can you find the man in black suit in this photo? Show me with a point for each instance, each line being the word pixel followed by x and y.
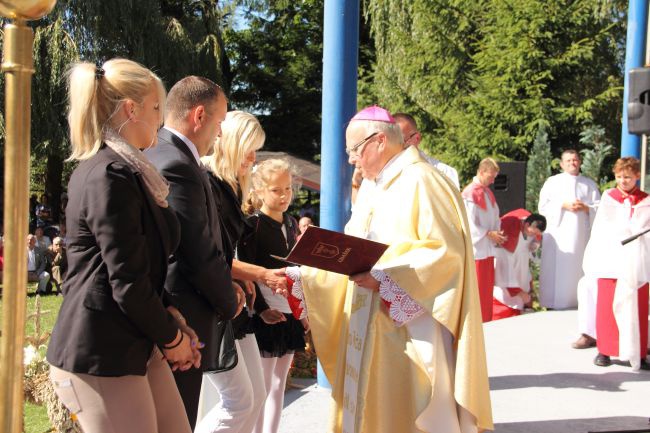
pixel 198 282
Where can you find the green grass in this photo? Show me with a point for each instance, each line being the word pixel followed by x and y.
pixel 35 418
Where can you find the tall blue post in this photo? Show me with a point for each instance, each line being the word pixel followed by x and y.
pixel 637 23
pixel 340 59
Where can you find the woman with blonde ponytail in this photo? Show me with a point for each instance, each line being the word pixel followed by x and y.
pixel 114 338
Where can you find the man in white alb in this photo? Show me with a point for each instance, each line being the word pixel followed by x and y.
pixel 567 200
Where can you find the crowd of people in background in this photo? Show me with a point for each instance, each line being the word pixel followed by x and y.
pixel 46 246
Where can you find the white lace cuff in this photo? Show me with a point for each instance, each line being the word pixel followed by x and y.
pixel 402 308
pixel 296 296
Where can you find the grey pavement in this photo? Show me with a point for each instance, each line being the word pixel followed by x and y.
pixel 538 383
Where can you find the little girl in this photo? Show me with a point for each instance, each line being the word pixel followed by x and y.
pixel 272 231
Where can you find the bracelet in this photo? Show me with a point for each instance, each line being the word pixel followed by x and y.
pixel 356 186
pixel 175 345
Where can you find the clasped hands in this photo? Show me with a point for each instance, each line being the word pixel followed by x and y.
pixel 184 354
pixel 498 237
pixel 575 206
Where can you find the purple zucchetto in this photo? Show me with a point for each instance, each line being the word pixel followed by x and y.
pixel 374 113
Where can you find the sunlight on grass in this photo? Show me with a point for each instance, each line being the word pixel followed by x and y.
pixel 36 420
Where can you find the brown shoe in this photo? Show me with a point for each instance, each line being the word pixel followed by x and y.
pixel 584 342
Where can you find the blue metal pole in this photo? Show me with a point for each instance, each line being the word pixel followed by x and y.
pixel 637 22
pixel 340 59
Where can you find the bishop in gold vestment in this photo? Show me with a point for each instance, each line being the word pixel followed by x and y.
pixel 402 345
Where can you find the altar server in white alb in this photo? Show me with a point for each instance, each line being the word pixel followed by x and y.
pixel 485 227
pixel 512 276
pixel 622 271
pixel 567 200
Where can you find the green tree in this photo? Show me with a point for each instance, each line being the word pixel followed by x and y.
pixel 482 76
pixel 595 155
pixel 538 168
pixel 175 38
pixel 276 52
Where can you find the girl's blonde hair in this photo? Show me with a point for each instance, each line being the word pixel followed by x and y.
pixel 241 133
pixel 261 177
pixel 95 95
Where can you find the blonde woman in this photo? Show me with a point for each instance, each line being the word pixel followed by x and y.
pixel 241 390
pixel 114 337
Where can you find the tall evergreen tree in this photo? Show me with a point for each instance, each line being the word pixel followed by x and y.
pixel 595 155
pixel 538 167
pixel 482 76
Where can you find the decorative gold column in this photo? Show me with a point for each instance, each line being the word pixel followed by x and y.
pixel 18 65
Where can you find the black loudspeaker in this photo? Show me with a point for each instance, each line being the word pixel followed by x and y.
pixel 510 186
pixel 638 105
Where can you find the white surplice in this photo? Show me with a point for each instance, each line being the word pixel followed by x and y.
pixel 606 257
pixel 481 221
pixel 443 168
pixel 565 238
pixel 512 270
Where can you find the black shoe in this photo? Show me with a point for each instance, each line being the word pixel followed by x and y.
pixel 602 360
pixel 645 365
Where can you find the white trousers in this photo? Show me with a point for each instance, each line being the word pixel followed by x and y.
pixel 587 297
pixel 241 393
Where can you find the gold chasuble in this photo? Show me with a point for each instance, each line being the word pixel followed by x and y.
pixel 380 383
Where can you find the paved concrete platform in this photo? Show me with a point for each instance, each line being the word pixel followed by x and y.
pixel 538 383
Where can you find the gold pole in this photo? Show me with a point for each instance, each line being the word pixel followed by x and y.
pixel 18 66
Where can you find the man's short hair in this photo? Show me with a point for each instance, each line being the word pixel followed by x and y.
pixel 190 92
pixel 487 164
pixel 405 118
pixel 627 163
pixel 570 152
pixel 536 220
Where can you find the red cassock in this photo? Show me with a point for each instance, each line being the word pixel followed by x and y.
pixel 483 216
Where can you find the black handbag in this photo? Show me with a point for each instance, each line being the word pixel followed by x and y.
pixel 226 357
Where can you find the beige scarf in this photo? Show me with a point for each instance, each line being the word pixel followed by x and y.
pixel 156 184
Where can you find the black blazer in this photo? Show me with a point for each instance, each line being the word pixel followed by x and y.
pixel 228 202
pixel 118 243
pixel 233 226
pixel 199 282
